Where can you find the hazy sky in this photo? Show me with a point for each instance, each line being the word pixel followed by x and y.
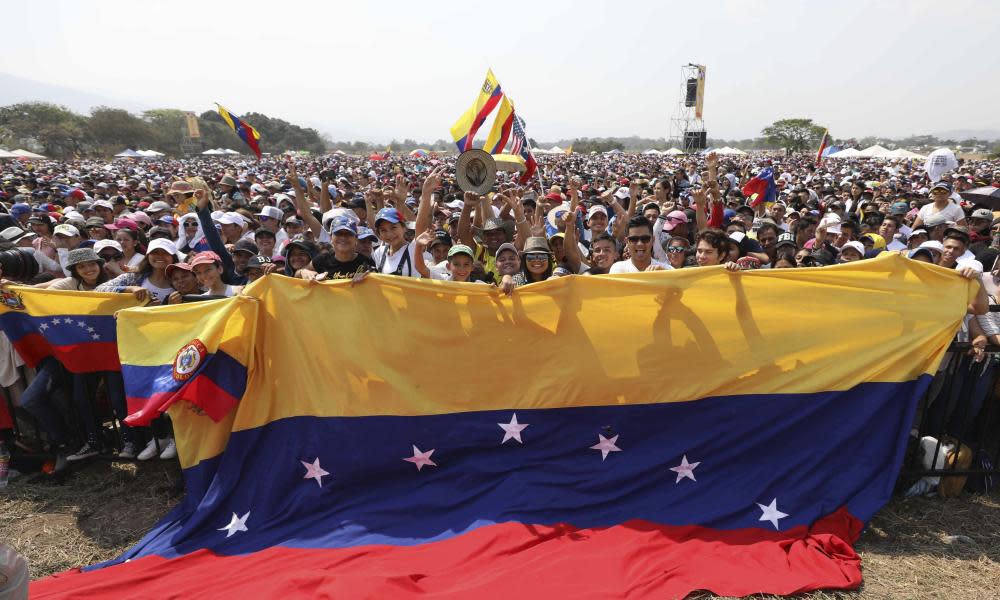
pixel 378 70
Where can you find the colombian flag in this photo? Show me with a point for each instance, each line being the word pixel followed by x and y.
pixel 636 435
pixel 496 141
pixel 248 134
pixel 465 128
pixel 167 365
pixel 77 328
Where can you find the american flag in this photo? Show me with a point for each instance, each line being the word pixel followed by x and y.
pixel 520 147
pixel 519 138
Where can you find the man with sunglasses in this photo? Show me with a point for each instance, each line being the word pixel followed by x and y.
pixel 640 249
pixel 270 219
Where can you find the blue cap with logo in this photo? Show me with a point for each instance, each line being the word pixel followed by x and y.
pixel 338 224
pixel 389 214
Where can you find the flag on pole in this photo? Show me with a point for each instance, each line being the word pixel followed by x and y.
pixel 465 128
pixel 823 142
pixel 248 134
pixel 522 149
pixel 496 141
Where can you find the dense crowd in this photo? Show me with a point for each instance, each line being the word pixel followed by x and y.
pixel 174 231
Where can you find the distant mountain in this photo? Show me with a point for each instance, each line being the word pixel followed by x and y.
pixel 968 134
pixel 15 89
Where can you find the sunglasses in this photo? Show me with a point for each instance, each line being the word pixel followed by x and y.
pixel 182 194
pixel 635 239
pixel 536 256
pixel 676 249
pixel 190 224
pixel 110 256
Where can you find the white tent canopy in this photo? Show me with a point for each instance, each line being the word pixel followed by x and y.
pixel 674 152
pixel 5 154
pixel 727 151
pixel 653 151
pixel 228 151
pixel 149 153
pixel 555 150
pixel 846 153
pixel 902 153
pixel 876 151
pixel 25 154
pixel 213 152
pixel 128 153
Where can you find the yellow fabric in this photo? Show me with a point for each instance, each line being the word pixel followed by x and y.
pixel 464 123
pixel 153 336
pixel 401 346
pixel 504 112
pixel 42 303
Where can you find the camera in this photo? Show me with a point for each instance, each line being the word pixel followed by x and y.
pixel 18 264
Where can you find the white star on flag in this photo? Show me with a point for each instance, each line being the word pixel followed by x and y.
pixel 512 430
pixel 421 459
pixel 55 321
pixel 314 471
pixel 236 524
pixel 81 323
pixel 43 326
pixel 606 445
pixel 90 330
pixel 771 513
pixel 95 336
pixel 685 469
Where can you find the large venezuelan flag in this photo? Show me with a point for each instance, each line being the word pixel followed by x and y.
pixel 639 435
pixel 465 128
pixel 77 328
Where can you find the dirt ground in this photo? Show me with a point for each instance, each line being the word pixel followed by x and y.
pixel 920 548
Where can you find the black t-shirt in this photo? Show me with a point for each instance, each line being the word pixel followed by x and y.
pixel 328 263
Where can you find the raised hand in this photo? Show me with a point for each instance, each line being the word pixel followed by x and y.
pixel 433 180
pixel 538 224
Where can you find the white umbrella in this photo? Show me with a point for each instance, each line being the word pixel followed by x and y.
pixel 25 154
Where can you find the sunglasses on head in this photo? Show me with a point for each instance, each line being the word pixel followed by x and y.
pixel 635 239
pixel 111 256
pixel 536 256
pixel 676 249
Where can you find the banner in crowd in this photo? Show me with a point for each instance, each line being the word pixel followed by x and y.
pixel 648 434
pixel 78 328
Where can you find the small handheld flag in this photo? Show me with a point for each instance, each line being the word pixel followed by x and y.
pixel 823 142
pixel 248 134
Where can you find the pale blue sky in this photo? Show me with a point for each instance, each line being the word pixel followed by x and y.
pixel 377 70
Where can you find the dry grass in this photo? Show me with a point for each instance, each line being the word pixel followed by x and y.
pixel 920 548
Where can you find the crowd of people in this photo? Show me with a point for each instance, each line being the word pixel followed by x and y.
pixel 172 231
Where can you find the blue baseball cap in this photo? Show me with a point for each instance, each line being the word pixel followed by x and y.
pixel 21 208
pixel 338 224
pixel 364 233
pixel 388 214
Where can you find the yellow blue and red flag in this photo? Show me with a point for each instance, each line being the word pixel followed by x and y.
pixel 247 133
pixel 465 128
pixel 645 434
pixel 76 328
pixel 496 141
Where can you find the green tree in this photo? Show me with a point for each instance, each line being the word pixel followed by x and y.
pixel 54 130
pixel 111 130
pixel 794 134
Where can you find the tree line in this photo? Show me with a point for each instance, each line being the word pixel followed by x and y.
pixel 58 132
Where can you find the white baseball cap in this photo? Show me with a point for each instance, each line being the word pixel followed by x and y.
pixel 162 244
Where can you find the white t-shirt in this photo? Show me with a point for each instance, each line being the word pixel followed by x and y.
pixel 626 266
pixel 158 293
pixel 952 212
pixel 136 259
pixel 390 263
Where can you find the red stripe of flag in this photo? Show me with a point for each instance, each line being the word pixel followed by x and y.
pixel 637 559
pixel 89 357
pixel 200 391
pixel 822 146
pixel 484 113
